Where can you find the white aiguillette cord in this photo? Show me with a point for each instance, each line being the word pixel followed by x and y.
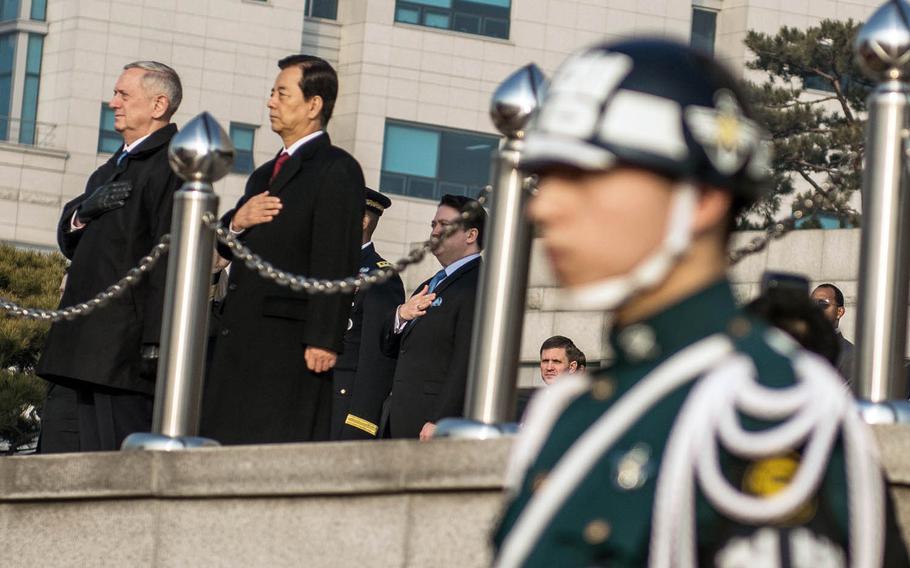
pixel 588 449
pixel 811 414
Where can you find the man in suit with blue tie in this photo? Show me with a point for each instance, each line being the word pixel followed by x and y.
pixel 431 332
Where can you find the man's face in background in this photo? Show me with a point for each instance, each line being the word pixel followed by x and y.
pixel 827 302
pixel 555 362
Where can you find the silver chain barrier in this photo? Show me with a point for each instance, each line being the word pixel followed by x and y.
pixel 133 276
pixel 316 285
pixel 322 286
pixel 818 200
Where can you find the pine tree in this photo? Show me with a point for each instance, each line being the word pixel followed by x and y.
pixel 813 102
pixel 30 279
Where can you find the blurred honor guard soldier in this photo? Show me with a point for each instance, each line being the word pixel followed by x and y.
pixel 102 367
pixel 363 375
pixel 269 379
pixel 430 334
pixel 712 439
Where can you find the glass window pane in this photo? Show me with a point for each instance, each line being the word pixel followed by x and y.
pixel 327 9
pixel 468 23
pixel 434 3
pixel 39 10
pixel 704 26
pixel 436 20
pixel 498 3
pixel 407 15
pixel 464 160
pixel 109 140
pixel 9 10
pixel 465 157
pixel 30 92
pixel 410 150
pixel 495 27
pixel 33 57
pixel 243 137
pixel 7 57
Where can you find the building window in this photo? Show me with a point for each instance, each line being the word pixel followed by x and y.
pixel 9 10
pixel 29 123
pixel 243 135
pixel 327 9
pixel 109 140
pixel 39 10
pixel 420 160
pixel 7 59
pixel 481 17
pixel 704 28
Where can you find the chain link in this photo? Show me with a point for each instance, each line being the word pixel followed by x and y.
pixel 116 290
pixel 321 286
pixel 819 200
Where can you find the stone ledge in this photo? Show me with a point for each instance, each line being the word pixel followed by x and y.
pixel 267 470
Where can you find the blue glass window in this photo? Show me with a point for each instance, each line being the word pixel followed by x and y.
pixel 108 138
pixel 482 17
pixel 30 94
pixel 39 10
pixel 426 161
pixel 704 28
pixel 327 9
pixel 7 58
pixel 243 136
pixel 9 10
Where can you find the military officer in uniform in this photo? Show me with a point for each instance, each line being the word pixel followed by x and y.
pixel 363 374
pixel 712 439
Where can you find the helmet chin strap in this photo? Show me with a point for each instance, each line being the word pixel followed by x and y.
pixel 609 294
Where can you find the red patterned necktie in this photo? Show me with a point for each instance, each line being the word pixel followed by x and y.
pixel 279 162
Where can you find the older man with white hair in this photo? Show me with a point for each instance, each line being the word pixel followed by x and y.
pixel 101 368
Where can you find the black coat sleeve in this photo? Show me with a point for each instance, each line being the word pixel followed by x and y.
pixel 67 238
pixel 160 207
pixel 337 232
pixel 375 369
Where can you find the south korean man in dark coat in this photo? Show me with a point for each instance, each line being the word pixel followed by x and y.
pixel 269 380
pixel 431 332
pixel 363 375
pixel 101 367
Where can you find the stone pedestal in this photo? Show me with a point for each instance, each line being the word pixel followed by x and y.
pixel 389 504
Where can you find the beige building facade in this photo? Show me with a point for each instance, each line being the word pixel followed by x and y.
pixel 416 77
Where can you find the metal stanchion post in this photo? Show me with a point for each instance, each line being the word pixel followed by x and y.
pixel 883 51
pixel 499 316
pixel 201 153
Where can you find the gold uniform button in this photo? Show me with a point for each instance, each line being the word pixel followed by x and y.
pixel 597 531
pixel 739 327
pixel 602 389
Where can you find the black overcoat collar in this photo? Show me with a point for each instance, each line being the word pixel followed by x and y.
pixel 292 166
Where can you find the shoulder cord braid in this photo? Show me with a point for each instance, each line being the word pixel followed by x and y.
pixel 812 413
pixel 576 463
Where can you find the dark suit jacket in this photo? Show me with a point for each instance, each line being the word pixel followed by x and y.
pixel 104 348
pixel 258 388
pixel 433 353
pixel 845 358
pixel 363 374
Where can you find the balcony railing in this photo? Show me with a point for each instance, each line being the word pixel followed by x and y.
pixel 28 132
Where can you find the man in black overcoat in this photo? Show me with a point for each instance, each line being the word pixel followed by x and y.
pixel 269 378
pixel 101 367
pixel 363 375
pixel 431 332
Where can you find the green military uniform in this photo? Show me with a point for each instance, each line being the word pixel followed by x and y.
pixel 606 518
pixel 712 439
